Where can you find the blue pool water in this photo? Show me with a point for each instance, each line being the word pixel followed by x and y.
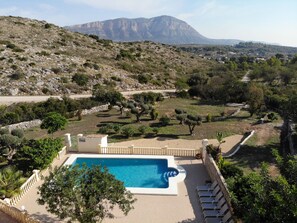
pixel 145 173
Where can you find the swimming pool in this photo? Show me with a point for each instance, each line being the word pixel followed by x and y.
pixel 140 174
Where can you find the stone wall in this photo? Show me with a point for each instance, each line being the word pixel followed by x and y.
pixel 95 109
pixel 37 122
pixel 24 125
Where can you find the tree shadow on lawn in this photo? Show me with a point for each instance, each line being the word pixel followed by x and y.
pixel 106 115
pixel 104 123
pixel 253 156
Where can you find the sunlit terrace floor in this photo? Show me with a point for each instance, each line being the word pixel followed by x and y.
pixel 149 208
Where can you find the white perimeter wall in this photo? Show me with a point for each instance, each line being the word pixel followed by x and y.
pixel 89 144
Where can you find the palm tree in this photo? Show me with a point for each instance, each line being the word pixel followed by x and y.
pixel 10 182
pixel 221 141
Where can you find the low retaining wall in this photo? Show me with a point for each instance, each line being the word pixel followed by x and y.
pixel 24 125
pixel 240 144
pixel 37 122
pixel 16 214
pixel 215 175
pixel 94 109
pixel 214 172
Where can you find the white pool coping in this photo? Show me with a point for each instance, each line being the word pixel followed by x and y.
pixel 172 181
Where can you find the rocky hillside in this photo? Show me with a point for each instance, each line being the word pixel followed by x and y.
pixel 39 58
pixel 162 29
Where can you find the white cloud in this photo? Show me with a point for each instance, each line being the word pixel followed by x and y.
pixel 15 11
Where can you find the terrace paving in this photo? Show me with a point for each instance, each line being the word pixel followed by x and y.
pixel 183 208
pixel 148 208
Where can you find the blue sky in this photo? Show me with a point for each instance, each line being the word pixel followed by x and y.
pixel 272 21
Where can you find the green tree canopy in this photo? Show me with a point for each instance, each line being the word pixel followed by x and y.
pixel 38 154
pixel 106 94
pixel 192 121
pixel 53 122
pixel 255 98
pixel 84 194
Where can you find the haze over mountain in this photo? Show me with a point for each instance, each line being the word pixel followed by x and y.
pixel 162 29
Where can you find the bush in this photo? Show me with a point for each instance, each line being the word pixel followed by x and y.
pixel 17 132
pixel 230 170
pixel 47 26
pixel 80 79
pixel 143 78
pixel 156 131
pixel 10 118
pixel 4 131
pixel 164 120
pixel 38 154
pixel 272 116
pixel 208 118
pixel 154 114
pixel 128 131
pixel 212 150
pixel 104 130
pixel 17 75
pixel 142 129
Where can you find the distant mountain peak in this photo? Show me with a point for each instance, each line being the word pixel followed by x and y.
pixel 164 29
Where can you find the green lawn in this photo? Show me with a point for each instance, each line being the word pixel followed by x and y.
pixel 250 156
pixel 90 124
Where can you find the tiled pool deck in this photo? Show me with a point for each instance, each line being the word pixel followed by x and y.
pixel 183 208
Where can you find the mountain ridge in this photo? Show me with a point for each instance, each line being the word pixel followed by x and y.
pixel 39 58
pixel 163 29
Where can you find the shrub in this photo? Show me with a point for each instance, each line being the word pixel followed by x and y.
pixel 38 154
pixel 10 118
pixel 47 26
pixel 143 78
pixel 80 79
pixel 142 129
pixel 154 114
pixel 156 131
pixel 56 70
pixel 208 118
pixel 230 170
pixel 272 116
pixel 164 120
pixel 4 131
pixel 17 132
pixel 17 75
pixel 212 150
pixel 104 130
pixel 128 131
pixel 116 128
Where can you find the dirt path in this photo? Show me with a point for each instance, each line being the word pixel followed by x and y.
pixel 6 100
pixel 231 141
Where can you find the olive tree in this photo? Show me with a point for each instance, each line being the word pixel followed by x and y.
pixel 139 109
pixel 84 194
pixel 192 121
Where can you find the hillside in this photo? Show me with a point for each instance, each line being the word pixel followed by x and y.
pixel 39 58
pixel 162 29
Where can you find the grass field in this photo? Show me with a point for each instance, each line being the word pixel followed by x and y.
pixel 90 124
pixel 257 150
